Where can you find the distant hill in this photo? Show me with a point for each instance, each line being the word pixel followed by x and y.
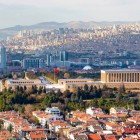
pixel 55 25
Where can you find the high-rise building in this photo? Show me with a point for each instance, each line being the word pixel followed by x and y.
pixel 49 59
pixel 33 63
pixel 2 58
pixel 63 56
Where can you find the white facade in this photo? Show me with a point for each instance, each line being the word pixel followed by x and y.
pixel 46 118
pixel 53 111
pixel 92 111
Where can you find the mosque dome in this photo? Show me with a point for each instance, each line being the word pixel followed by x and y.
pixel 87 68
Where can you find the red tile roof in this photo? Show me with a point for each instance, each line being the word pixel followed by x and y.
pixel 110 137
pixel 37 135
pixel 94 137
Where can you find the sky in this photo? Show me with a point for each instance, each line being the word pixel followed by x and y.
pixel 28 12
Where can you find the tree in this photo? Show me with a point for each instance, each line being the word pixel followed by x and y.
pixel 21 89
pixel 1 125
pixel 2 104
pixel 73 97
pixel 10 128
pixel 40 90
pixel 91 88
pixel 34 89
pixel 86 87
pixel 119 97
pixel 10 89
pixel 25 88
pixel 44 90
pixel 81 100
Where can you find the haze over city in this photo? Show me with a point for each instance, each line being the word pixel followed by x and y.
pixel 27 12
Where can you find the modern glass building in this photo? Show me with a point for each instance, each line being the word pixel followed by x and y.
pixel 2 58
pixel 33 63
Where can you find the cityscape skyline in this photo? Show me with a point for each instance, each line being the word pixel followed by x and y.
pixel 15 12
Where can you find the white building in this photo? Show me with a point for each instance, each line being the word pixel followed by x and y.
pixel 44 118
pixel 53 111
pixel 93 111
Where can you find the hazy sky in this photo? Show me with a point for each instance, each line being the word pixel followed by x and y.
pixel 26 12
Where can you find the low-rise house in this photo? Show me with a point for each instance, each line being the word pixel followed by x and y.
pixel 77 114
pixel 104 116
pixel 37 135
pixel 118 110
pixel 95 128
pixel 93 111
pixel 74 121
pixel 18 124
pixel 109 137
pixel 131 137
pixel 72 132
pixel 6 135
pixel 82 116
pixel 85 118
pixel 46 118
pixel 94 137
pixel 53 111
pixel 120 115
pixel 134 119
pixel 134 113
pixel 57 125
pixel 81 137
pixel 111 125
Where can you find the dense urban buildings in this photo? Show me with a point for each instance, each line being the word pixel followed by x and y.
pixel 71 84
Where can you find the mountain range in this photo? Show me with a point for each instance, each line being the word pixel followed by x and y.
pixel 4 33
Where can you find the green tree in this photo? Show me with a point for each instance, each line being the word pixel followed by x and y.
pixel 40 90
pixel 1 125
pixel 91 88
pixel 10 128
pixel 119 97
pixel 25 88
pixel 2 104
pixel 86 88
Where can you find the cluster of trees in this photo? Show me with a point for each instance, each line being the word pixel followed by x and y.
pixel 21 96
pixel 25 101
